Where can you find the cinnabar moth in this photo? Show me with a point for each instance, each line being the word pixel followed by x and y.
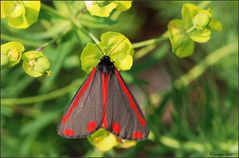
pixel 104 101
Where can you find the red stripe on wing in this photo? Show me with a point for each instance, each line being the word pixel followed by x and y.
pixel 78 96
pixel 131 100
pixel 105 79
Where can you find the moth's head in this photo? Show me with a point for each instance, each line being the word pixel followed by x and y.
pixel 105 58
pixel 105 64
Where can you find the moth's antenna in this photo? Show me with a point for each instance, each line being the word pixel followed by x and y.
pixel 112 50
pixel 95 42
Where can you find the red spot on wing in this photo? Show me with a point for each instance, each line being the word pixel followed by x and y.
pixel 79 94
pixel 130 98
pixel 116 127
pixel 69 132
pixel 105 79
pixel 91 126
pixel 137 135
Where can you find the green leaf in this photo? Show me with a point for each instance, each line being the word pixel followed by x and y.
pixel 35 63
pixel 185 49
pixel 182 45
pixel 103 140
pixel 20 14
pixel 188 12
pixel 11 53
pixel 200 36
pixel 114 44
pixel 215 25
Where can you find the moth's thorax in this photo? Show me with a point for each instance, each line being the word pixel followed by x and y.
pixel 105 64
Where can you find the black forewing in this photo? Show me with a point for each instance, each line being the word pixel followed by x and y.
pixel 84 116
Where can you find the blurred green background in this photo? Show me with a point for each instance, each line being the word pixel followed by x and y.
pixel 199 118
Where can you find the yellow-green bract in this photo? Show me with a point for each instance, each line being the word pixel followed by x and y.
pixel 104 8
pixel 114 44
pixel 195 26
pixel 104 140
pixel 35 63
pixel 11 53
pixel 20 14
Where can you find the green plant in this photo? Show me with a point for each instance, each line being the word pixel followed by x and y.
pixel 195 115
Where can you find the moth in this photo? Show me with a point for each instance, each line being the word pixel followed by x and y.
pixel 104 101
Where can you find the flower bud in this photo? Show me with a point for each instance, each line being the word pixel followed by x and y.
pixel 42 65
pixel 201 20
pixel 35 63
pixel 20 14
pixel 103 140
pixel 11 53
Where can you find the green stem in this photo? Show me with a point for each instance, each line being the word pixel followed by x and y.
pixel 151 41
pixel 24 41
pixel 46 44
pixel 200 68
pixel 41 98
pixel 144 51
pixel 51 41
pixel 190 29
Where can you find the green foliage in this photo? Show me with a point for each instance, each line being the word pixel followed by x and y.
pixel 190 104
pixel 195 26
pixel 20 14
pixel 114 44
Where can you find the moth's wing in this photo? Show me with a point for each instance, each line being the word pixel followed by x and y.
pixel 84 114
pixel 124 116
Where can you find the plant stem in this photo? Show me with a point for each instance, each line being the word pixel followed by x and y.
pixel 46 44
pixel 43 97
pixel 200 68
pixel 24 41
pixel 143 51
pixel 50 42
pixel 151 41
pixel 190 29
